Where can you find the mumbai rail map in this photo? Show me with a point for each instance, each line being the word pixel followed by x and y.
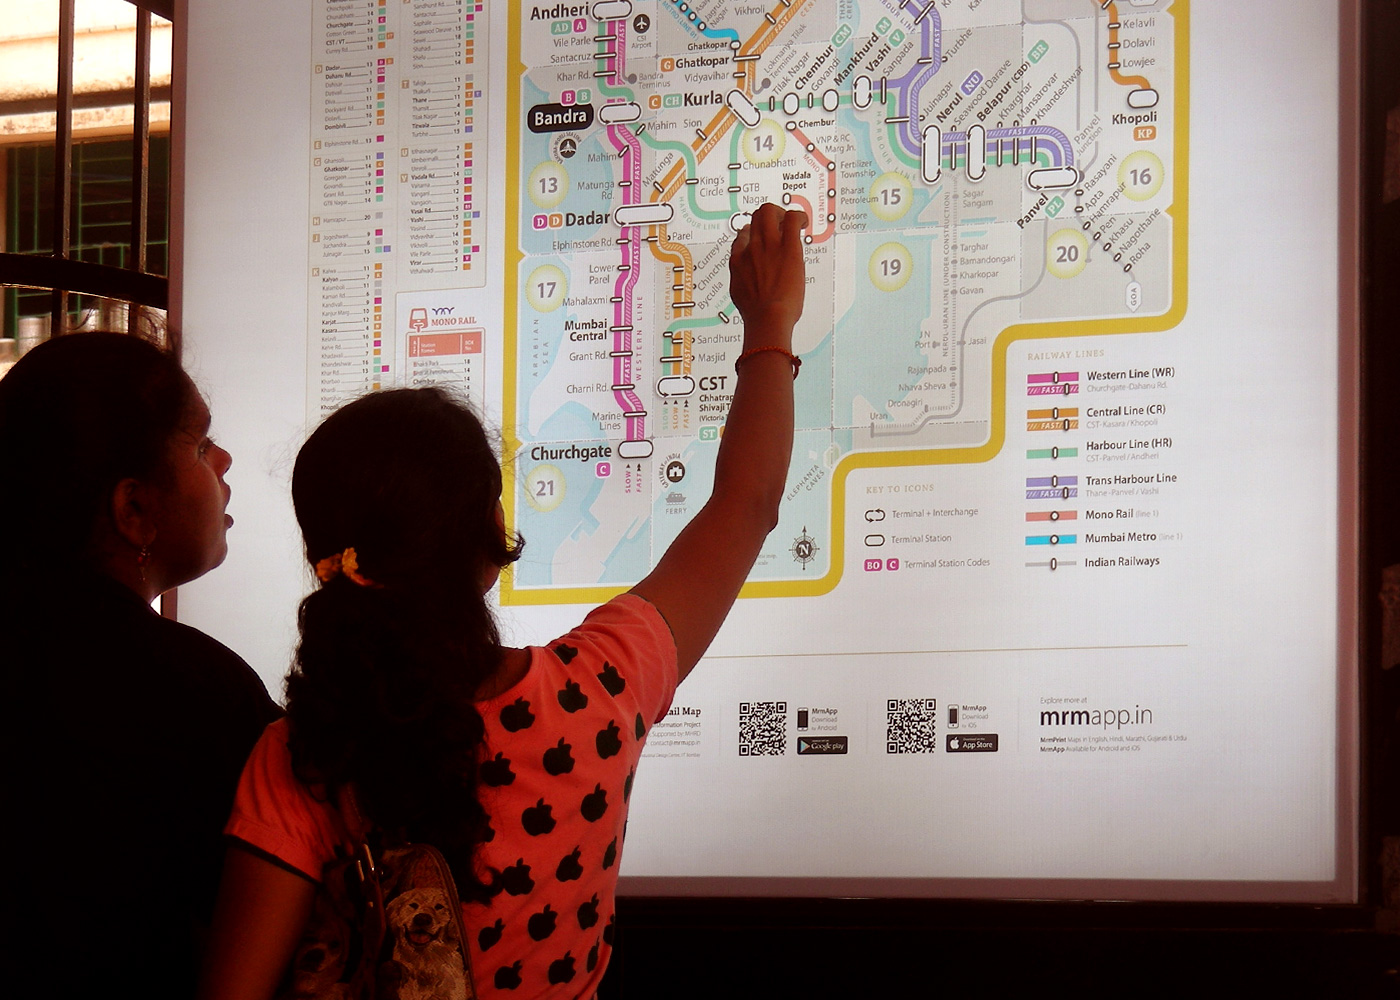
pixel 975 172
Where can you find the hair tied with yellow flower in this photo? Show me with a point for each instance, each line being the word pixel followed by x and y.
pixel 345 563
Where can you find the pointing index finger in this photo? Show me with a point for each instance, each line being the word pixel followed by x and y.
pixel 768 222
pixel 794 221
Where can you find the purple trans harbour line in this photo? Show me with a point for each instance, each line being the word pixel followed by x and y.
pixel 1023 136
pixel 909 87
pixel 911 84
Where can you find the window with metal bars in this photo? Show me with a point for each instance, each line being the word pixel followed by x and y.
pixel 101 213
pixel 85 223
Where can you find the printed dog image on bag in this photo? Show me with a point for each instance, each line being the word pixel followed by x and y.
pixel 425 944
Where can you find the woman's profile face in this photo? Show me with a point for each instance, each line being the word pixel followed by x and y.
pixel 191 523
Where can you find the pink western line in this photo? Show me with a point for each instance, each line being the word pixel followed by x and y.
pixel 1052 377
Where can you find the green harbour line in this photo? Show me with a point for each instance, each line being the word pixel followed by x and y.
pixel 690 324
pixel 693 170
pixel 692 167
pixel 958 163
pixel 624 92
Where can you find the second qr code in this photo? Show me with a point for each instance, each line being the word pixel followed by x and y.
pixel 909 725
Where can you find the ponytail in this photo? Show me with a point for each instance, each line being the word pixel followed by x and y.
pixel 381 693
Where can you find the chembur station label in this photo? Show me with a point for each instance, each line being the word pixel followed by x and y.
pixel 986 182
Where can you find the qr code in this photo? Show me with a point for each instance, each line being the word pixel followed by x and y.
pixel 909 725
pixel 762 728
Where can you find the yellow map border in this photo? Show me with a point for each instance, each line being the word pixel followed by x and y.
pixel 1178 212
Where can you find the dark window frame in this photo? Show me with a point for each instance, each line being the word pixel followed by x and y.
pixel 59 271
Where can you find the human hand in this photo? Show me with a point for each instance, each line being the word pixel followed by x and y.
pixel 767 274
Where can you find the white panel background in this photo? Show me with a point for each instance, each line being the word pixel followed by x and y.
pixel 1264 252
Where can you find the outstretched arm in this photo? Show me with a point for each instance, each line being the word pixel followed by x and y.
pixel 695 583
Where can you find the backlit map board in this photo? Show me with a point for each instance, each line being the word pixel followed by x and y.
pixel 1053 605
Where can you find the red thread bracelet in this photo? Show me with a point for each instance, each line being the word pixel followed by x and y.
pixel 796 361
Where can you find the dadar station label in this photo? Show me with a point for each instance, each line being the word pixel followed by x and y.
pixel 559 117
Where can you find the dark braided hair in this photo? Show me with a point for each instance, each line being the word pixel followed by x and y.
pixel 381 693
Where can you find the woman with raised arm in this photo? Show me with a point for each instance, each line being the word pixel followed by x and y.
pixel 126 732
pixel 517 764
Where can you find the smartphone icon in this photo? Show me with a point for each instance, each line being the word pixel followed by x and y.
pixel 952 716
pixel 802 718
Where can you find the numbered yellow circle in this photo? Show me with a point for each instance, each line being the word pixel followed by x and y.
pixel 891 196
pixel 1141 175
pixel 544 488
pixel 545 288
pixel 1066 253
pixel 890 266
pixel 548 184
pixel 764 143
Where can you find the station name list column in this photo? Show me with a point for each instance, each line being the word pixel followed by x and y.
pixel 395 164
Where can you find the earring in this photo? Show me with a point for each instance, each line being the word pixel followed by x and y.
pixel 142 558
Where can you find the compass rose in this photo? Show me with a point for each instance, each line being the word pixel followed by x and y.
pixel 804 548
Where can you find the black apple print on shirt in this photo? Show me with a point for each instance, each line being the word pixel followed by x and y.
pixel 612 680
pixel 569 869
pixel 558 760
pixel 517 716
pixel 516 880
pixel 508 977
pixel 561 970
pixel 497 772
pixel 488 937
pixel 538 819
pixel 610 855
pixel 627 785
pixel 541 925
pixel 572 698
pixel 610 931
pixel 565 653
pixel 588 914
pixel 595 803
pixel 641 726
pixel 607 741
pixel 592 957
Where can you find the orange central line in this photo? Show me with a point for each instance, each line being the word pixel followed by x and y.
pixel 666 249
pixel 670 184
pixel 677 254
pixel 673 175
pixel 1127 81
pixel 763 37
pixel 723 121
